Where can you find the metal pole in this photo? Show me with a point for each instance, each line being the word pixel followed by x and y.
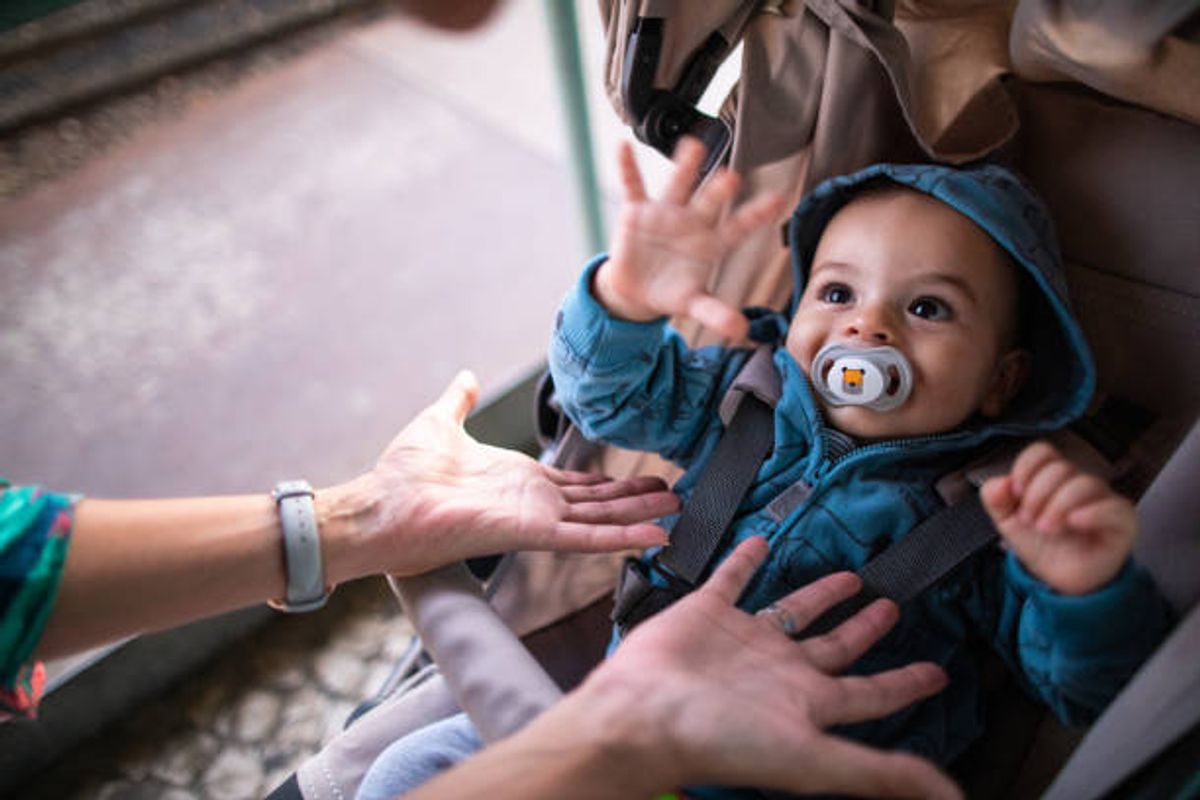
pixel 564 31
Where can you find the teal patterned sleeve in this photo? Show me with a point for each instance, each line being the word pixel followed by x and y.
pixel 35 529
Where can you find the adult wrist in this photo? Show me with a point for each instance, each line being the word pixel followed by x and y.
pixel 620 739
pixel 348 517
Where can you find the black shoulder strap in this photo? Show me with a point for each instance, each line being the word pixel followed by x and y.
pixel 901 572
pixel 917 560
pixel 704 520
pixel 730 472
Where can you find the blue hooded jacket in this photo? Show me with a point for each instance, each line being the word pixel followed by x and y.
pixel 824 509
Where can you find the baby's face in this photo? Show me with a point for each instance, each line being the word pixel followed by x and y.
pixel 898 268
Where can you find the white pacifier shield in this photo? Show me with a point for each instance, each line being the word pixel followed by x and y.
pixel 876 377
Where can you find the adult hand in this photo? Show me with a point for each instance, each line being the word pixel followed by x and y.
pixel 739 703
pixel 704 693
pixel 665 249
pixel 437 496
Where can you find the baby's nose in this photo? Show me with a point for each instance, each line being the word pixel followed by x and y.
pixel 871 325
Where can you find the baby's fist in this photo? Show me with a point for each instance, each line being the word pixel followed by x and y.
pixel 1069 528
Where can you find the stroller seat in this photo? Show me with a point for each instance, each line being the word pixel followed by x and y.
pixel 1098 108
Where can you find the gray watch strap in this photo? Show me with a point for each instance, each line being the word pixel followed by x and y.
pixel 306 590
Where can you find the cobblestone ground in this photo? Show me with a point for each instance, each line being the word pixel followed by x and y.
pixel 241 725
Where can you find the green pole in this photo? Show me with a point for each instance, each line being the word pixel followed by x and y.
pixel 564 31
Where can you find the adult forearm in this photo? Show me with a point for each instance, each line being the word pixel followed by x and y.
pixel 139 565
pixel 435 496
pixel 586 747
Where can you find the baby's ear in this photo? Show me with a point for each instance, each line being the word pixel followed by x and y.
pixel 1011 370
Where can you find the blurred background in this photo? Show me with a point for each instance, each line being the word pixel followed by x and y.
pixel 247 240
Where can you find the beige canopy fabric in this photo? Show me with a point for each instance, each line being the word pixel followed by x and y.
pixel 1147 54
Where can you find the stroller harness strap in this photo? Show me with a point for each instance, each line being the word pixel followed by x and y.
pixel 917 561
pixel 702 524
pixel 909 566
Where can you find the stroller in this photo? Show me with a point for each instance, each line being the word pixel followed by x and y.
pixel 1098 108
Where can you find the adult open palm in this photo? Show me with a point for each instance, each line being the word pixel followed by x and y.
pixel 441 496
pixel 746 705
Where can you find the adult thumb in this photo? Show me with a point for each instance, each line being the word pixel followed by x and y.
pixel 460 396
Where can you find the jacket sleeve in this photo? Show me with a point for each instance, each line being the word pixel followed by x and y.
pixel 1077 652
pixel 35 528
pixel 635 384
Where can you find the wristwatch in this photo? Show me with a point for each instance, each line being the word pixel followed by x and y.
pixel 306 588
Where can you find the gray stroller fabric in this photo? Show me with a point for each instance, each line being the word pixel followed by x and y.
pixel 1170 513
pixel 335 772
pixel 1160 704
pixel 495 679
pixel 483 670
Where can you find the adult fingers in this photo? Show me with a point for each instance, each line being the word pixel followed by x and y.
pixel 841 647
pixel 566 477
pixel 689 155
pixel 582 537
pixel 1079 490
pixel 809 602
pixel 609 489
pixel 631 177
pixel 858 698
pixel 847 768
pixel 718 316
pixel 734 573
pixel 635 508
pixel 459 397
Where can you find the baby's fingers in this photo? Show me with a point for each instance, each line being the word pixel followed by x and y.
pixel 689 155
pixel 631 177
pixel 715 194
pixel 718 316
pixel 749 217
pixel 1031 460
pixel 1079 490
pixel 1109 514
pixel 1042 485
pixel 999 499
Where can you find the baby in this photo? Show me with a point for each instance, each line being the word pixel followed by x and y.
pixel 946 284
pixel 929 320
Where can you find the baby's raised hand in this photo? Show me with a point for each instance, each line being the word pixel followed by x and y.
pixel 1069 528
pixel 665 249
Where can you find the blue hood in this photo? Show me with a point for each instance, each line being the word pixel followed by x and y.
pixel 1062 375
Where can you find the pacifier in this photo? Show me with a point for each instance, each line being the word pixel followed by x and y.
pixel 876 377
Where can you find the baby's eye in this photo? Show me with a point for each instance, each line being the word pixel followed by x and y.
pixel 930 308
pixel 836 293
